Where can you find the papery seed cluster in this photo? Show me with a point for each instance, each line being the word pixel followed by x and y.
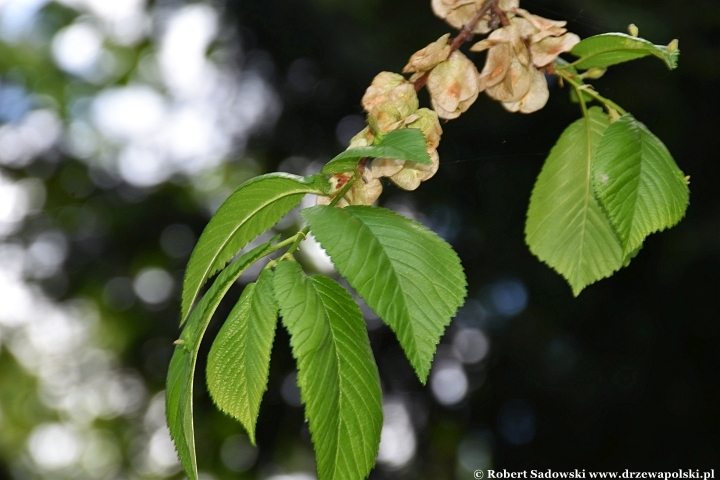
pixel 521 49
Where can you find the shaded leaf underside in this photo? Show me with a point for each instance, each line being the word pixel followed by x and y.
pixel 638 182
pixel 179 385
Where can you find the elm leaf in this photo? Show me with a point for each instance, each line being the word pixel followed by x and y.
pixel 637 181
pixel 338 379
pixel 608 49
pixel 239 360
pixel 406 144
pixel 407 274
pixel 566 226
pixel 253 208
pixel 179 384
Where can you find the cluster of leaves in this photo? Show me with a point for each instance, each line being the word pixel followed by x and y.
pixel 606 185
pixel 405 272
pixel 608 182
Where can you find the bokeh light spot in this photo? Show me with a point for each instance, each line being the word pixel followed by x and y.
pixel 119 294
pixel 509 297
pixel 449 383
pixel 177 240
pixel 348 127
pixel 290 391
pixel 153 285
pixel 471 345
pixel 475 451
pixel 77 48
pixel 55 446
pixel 397 439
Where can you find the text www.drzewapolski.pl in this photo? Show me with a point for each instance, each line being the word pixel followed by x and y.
pixel 584 474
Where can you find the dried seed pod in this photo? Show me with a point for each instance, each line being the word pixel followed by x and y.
pixel 515 84
pixel 427 121
pixel 547 50
pixel 497 64
pixel 459 13
pixel 363 138
pixel 383 167
pixel 515 53
pixel 535 98
pixel 408 175
pixel 425 59
pixel 361 193
pixel 412 174
pixel 453 86
pixel 389 100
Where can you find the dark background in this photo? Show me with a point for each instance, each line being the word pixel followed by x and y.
pixel 625 376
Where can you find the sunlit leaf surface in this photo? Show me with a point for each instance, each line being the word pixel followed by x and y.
pixel 405 272
pixel 254 207
pixel 609 49
pixel 337 375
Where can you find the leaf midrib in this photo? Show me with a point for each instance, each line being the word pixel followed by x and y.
pixel 637 196
pixel 341 382
pixel 665 57
pixel 247 219
pixel 588 162
pixel 411 326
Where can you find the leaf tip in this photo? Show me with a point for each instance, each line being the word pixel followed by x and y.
pixel 577 289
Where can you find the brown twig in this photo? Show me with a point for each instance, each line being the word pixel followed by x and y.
pixel 501 15
pixel 465 33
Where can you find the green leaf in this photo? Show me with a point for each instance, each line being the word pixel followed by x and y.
pixel 239 360
pixel 407 274
pixel 179 387
pixel 566 227
pixel 612 48
pixel 638 182
pixel 254 207
pixel 407 144
pixel 337 375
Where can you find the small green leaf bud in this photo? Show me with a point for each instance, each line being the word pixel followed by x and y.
pixel 673 46
pixel 594 73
